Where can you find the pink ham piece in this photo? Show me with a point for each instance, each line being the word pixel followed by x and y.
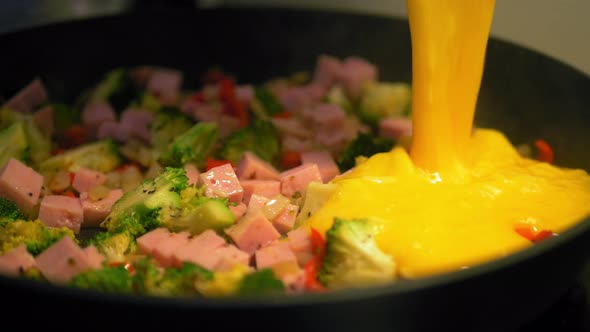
pixel 356 72
pixel 135 123
pixel 395 128
pixel 44 119
pixel 61 211
pixel 149 241
pixel 86 179
pixel 292 126
pixel 198 250
pixel 276 253
pixel 252 232
pixel 328 70
pixel 300 243
pixel 229 256
pixel 20 184
pixel 250 166
pixel 286 219
pixel 110 129
pixel 167 246
pixel 96 113
pixel 265 188
pixel 16 261
pixel 294 98
pixel 325 162
pixel 325 116
pixel 192 173
pixel 28 98
pixel 238 210
pixel 95 211
pixel 221 181
pixel 257 202
pixel 95 258
pixel 165 84
pixel 244 93
pixel 294 282
pixel 63 260
pixel 296 179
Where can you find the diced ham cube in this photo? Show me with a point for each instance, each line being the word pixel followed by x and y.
pixel 165 84
pixel 325 162
pixel 96 113
pixel 135 123
pixel 355 74
pixel 44 119
pixel 95 258
pixel 198 250
pixel 96 211
pixel 167 246
pixel 20 184
pixel 325 116
pixel 294 282
pixel 294 98
pixel 192 173
pixel 16 261
pixel 61 211
pixel 256 202
pixel 277 253
pixel 265 188
pixel 227 125
pixel 286 219
pixel 28 98
pixel 110 129
pixel 252 232
pixel 238 210
pixel 221 181
pixel 328 70
pixel 63 260
pixel 229 256
pixel 295 144
pixel 86 179
pixel 245 93
pixel 395 128
pixel 292 127
pixel 149 241
pixel 295 180
pixel 250 166
pixel 300 242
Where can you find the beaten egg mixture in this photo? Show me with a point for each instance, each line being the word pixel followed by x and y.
pixel 456 197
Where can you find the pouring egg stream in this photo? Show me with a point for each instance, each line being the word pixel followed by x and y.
pixel 460 195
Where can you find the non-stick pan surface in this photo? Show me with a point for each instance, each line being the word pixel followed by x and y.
pixel 525 94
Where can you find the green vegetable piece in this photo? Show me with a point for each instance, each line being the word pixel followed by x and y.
pixel 38 144
pixel 117 88
pixel 102 156
pixel 260 282
pixel 137 212
pixel 265 104
pixel 64 116
pixel 9 211
pixel 364 145
pixel 336 95
pixel 193 146
pixel 260 137
pixel 166 127
pixel 352 257
pixel 113 279
pixel 34 234
pixel 145 275
pixel 180 281
pixel 383 99
pixel 115 246
pixel 13 144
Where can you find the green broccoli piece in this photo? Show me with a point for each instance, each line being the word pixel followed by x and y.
pixel 364 145
pixel 180 281
pixel 166 127
pixel 113 279
pixel 192 146
pixel 352 257
pixel 9 211
pixel 38 144
pixel 137 212
pixel 34 234
pixel 102 156
pixel 13 144
pixel 264 104
pixel 383 99
pixel 64 116
pixel 260 137
pixel 115 246
pixel 197 213
pixel 146 275
pixel 118 88
pixel 260 282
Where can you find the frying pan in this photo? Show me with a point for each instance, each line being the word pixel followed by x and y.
pixel 525 94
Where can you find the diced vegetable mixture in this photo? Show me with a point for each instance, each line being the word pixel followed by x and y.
pixel 150 187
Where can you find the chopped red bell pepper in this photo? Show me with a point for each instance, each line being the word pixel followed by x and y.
pixel 70 193
pixel 290 159
pixel 128 266
pixel 318 243
pixel 544 151
pixel 74 136
pixel 531 233
pixel 211 162
pixel 282 115
pixel 311 269
pixel 232 105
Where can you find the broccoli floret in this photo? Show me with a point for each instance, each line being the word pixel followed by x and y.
pixel 102 156
pixel 223 283
pixel 197 213
pixel 192 146
pixel 264 104
pixel 384 99
pixel 114 279
pixel 260 137
pixel 137 212
pixel 38 144
pixel 364 145
pixel 118 88
pixel 115 246
pixel 180 281
pixel 260 282
pixel 145 275
pixel 13 144
pixel 34 234
pixel 165 128
pixel 352 257
pixel 9 211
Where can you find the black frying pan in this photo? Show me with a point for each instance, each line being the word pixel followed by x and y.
pixel 525 94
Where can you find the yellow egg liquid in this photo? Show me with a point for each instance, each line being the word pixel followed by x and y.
pixel 455 199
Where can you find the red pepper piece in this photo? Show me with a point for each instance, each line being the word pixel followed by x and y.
pixel 544 151
pixel 311 269
pixel 128 266
pixel 290 159
pixel 211 162
pixel 531 233
pixel 318 243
